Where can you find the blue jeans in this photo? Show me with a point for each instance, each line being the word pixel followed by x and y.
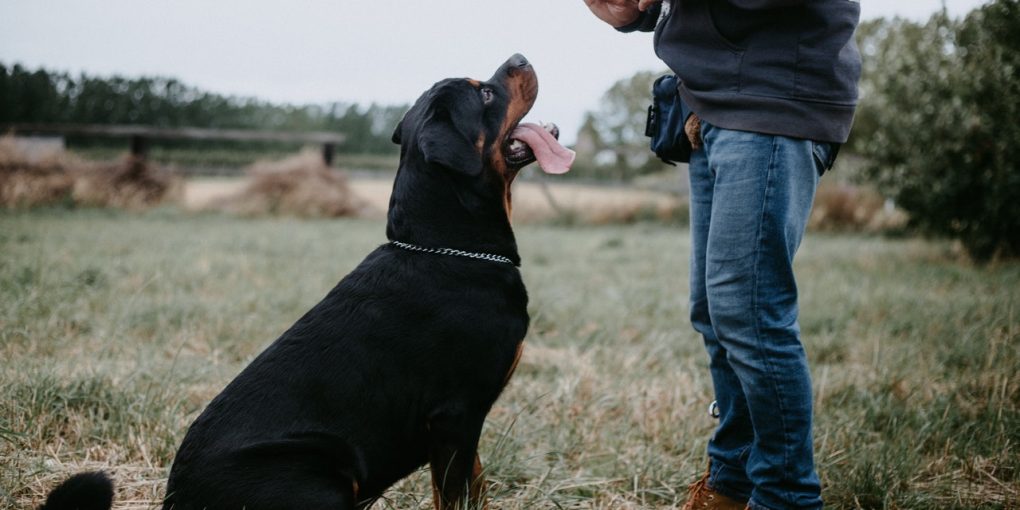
pixel 751 195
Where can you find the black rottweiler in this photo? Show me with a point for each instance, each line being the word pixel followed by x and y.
pixel 400 363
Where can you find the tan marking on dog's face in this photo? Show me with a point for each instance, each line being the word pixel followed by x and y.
pixel 523 89
pixel 508 203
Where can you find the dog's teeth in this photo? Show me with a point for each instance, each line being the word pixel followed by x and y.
pixel 552 129
pixel 517 145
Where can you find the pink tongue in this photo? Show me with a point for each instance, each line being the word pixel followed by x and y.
pixel 552 157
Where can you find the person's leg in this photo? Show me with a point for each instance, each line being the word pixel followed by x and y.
pixel 763 189
pixel 729 446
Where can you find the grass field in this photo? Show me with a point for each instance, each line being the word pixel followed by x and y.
pixel 116 329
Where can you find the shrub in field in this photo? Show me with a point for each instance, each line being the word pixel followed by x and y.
pixel 60 178
pixel 938 122
pixel 301 185
pixel 840 206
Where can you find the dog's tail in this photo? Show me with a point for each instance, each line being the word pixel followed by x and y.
pixel 83 491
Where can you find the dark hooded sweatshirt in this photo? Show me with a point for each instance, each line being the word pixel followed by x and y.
pixel 784 67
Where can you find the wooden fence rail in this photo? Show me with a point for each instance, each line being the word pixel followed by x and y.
pixel 141 135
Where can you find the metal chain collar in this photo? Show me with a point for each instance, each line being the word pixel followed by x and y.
pixel 460 253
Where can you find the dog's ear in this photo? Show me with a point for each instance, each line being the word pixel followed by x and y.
pixel 449 133
pixel 443 143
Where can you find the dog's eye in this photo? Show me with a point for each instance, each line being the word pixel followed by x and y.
pixel 487 96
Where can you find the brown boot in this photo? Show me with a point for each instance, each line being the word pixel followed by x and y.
pixel 701 496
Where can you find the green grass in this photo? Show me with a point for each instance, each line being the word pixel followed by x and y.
pixel 116 329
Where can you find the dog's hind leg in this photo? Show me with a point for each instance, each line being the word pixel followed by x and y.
pixel 269 492
pixel 278 475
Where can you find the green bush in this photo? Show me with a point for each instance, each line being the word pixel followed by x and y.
pixel 940 123
pixel 611 143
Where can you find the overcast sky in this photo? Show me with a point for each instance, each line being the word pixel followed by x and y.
pixel 317 51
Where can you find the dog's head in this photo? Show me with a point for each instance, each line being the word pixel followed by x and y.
pixel 467 127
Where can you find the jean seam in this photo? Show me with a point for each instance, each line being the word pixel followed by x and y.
pixel 770 169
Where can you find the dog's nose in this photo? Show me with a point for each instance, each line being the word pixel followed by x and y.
pixel 518 60
pixel 514 66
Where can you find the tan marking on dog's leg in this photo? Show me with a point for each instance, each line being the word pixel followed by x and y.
pixel 437 500
pixel 476 492
pixel 517 359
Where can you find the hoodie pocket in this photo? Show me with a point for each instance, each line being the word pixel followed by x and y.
pixel 714 12
pixel 708 61
pixel 828 62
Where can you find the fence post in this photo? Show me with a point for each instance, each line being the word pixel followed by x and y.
pixel 328 150
pixel 139 146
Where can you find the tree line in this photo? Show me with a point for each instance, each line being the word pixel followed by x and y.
pixel 46 96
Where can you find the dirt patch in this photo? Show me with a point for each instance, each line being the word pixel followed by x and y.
pixel 582 203
pixel 537 202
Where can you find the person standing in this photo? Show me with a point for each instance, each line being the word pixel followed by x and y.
pixel 772 85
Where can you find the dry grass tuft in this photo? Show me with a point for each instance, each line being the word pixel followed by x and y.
pixel 137 487
pixel 300 185
pixel 60 178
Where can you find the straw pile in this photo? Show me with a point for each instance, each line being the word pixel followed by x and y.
pixel 300 185
pixel 60 178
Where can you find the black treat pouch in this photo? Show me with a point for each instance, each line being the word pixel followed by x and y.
pixel 665 124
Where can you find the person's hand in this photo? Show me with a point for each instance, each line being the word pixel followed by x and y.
pixel 643 5
pixel 617 13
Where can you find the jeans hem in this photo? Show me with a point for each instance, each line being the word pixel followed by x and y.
pixel 735 495
pixel 754 505
pixel 713 483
